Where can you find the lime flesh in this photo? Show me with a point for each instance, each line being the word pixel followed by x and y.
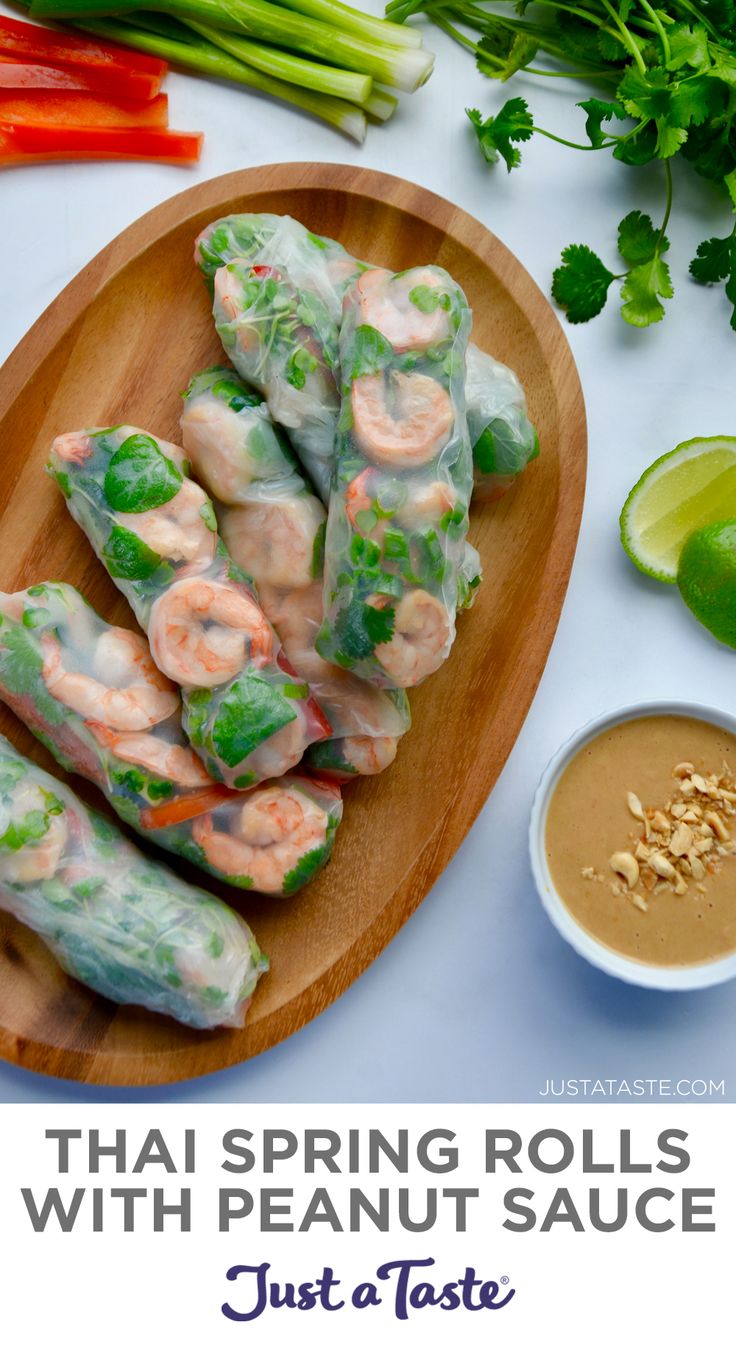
pixel 706 577
pixel 692 486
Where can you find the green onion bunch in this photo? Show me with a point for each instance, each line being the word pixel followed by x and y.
pixel 326 58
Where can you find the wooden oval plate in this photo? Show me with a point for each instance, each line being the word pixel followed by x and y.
pixel 118 345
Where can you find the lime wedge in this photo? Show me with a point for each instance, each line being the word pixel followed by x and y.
pixel 707 578
pixel 692 486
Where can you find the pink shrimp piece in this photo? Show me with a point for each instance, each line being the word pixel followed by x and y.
pixel 74 446
pixel 277 826
pixel 139 695
pixel 385 302
pixel 202 632
pixel 177 762
pixel 402 422
pixel 421 636
pixel 370 754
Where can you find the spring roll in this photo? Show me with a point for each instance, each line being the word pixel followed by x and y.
pixel 282 339
pixel 257 314
pixel 119 922
pixel 273 526
pixel 95 699
pixel 504 440
pixel 398 511
pixel 245 712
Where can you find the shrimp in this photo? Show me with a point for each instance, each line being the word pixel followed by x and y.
pixel 422 632
pixel 178 530
pixel 427 505
pixel 176 762
pixel 369 754
pixel 213 437
pixel 139 695
pixel 202 631
pixel 273 541
pixel 385 302
pixel 276 827
pixel 74 447
pixel 404 423
pixel 37 859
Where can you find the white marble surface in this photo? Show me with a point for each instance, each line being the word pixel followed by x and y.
pixel 477 999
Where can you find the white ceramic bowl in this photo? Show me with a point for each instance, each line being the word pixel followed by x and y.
pixel 614 963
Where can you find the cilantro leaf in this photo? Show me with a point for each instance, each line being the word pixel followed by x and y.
pixel 716 261
pixel 713 261
pixel 360 627
pixel 637 239
pixel 710 151
pixel 641 291
pixel 645 95
pixel 724 67
pixel 512 122
pixel 580 38
pixel 307 867
pixel 581 284
pixel 688 46
pixel 599 111
pixel 669 139
pixel 694 100
pixel 501 53
pixel 638 149
pixel 611 46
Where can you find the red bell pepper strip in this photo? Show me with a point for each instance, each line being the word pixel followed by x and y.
pixel 68 108
pixel 134 84
pixel 184 808
pixel 34 144
pixel 29 42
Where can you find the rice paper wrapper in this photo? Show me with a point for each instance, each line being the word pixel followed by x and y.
pixel 246 713
pixel 274 527
pixel 122 924
pixel 398 513
pixel 504 441
pixel 56 658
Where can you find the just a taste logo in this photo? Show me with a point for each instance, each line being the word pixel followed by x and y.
pixel 404 1286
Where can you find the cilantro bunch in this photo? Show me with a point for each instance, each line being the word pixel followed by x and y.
pixel 669 75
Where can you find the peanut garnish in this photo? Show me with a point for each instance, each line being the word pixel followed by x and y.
pixel 681 843
pixel 662 866
pixel 626 866
pixel 635 806
pixel 714 820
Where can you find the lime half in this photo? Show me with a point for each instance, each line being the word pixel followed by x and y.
pixel 692 486
pixel 707 578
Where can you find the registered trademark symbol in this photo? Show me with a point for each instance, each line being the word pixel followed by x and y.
pixel 504 1279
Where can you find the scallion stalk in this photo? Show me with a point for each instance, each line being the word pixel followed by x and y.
pixel 205 59
pixel 356 22
pixel 399 67
pixel 381 105
pixel 283 65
